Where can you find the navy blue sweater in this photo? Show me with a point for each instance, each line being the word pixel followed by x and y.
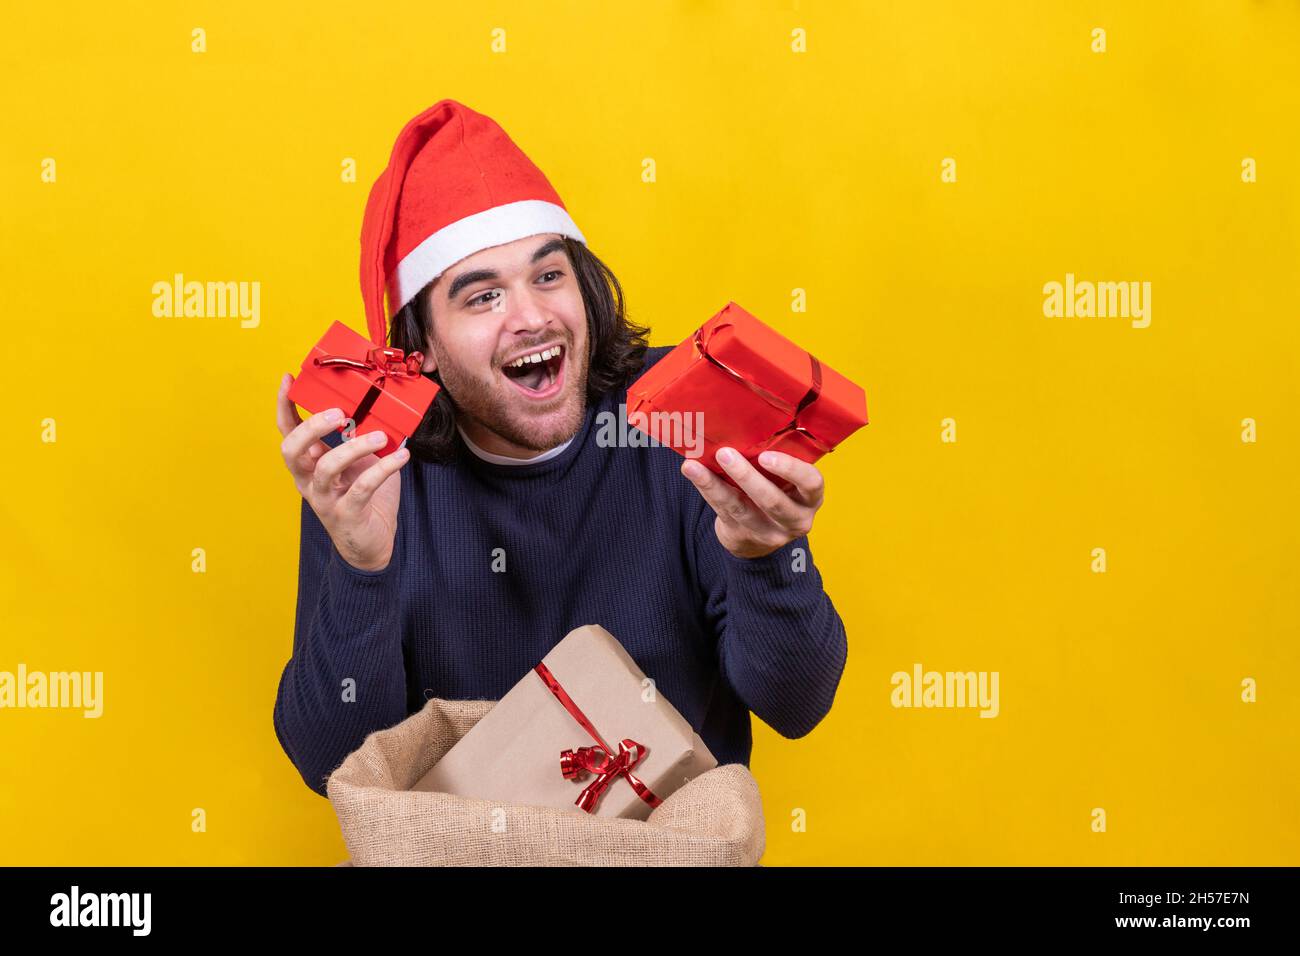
pixel 614 536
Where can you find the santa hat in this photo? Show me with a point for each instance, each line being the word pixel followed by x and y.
pixel 454 185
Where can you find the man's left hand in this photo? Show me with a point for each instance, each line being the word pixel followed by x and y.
pixel 764 518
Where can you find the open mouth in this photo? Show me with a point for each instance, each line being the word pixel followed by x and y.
pixel 538 374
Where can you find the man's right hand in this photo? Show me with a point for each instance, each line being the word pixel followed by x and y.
pixel 353 492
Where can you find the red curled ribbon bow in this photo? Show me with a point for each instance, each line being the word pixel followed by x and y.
pixel 597 760
pixel 384 360
pixel 815 390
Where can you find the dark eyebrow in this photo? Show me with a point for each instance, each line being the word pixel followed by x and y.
pixel 478 275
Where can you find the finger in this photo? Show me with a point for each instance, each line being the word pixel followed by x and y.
pixel 721 497
pixel 810 486
pixel 286 415
pixel 370 480
pixel 301 436
pixel 325 479
pixel 775 503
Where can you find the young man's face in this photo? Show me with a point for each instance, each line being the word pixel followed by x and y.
pixel 518 300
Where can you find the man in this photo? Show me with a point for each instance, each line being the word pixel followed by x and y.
pixel 453 576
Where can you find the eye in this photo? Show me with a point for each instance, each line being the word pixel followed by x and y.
pixel 482 297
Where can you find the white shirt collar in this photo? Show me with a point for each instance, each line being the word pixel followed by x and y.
pixel 506 460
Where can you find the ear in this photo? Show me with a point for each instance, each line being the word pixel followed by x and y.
pixel 430 361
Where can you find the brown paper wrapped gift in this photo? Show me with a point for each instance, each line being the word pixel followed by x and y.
pixel 514 754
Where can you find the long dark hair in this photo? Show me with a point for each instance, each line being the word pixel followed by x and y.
pixel 616 349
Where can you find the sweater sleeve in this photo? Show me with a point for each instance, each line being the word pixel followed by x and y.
pixel 347 626
pixel 781 644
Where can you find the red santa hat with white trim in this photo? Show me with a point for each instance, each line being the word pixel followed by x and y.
pixel 454 185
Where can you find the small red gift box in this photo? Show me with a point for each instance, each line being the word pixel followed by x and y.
pixel 377 387
pixel 755 390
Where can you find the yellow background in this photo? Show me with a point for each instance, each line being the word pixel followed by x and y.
pixel 775 170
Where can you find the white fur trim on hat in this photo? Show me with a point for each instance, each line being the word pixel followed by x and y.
pixel 464 237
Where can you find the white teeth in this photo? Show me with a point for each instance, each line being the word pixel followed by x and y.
pixel 536 357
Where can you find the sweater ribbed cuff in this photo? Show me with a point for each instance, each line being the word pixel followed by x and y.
pixel 775 569
pixel 791 600
pixel 363 596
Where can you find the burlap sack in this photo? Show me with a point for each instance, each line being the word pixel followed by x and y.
pixel 715 820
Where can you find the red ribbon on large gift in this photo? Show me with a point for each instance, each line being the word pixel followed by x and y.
pixel 382 361
pixel 794 411
pixel 598 760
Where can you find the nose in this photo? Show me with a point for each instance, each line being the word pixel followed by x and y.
pixel 526 314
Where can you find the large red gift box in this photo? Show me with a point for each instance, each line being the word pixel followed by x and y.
pixel 377 387
pixel 755 389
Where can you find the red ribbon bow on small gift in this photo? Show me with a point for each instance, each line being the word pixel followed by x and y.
pixel 383 360
pixel 597 760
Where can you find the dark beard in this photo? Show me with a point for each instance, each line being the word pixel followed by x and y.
pixel 476 400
